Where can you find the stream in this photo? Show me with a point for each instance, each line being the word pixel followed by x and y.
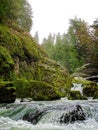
pixel 45 115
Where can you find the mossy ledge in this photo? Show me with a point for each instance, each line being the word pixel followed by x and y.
pixel 22 60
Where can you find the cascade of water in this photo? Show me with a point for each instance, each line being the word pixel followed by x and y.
pixel 77 87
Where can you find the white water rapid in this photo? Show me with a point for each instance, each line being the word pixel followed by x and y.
pixel 11 115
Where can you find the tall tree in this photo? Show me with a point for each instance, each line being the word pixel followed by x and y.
pixel 16 11
pixel 48 45
pixel 36 37
pixel 84 42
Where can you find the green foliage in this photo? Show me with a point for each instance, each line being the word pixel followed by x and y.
pixel 6 64
pixel 36 37
pixel 83 81
pixel 48 45
pixel 76 48
pixel 18 12
pixel 18 43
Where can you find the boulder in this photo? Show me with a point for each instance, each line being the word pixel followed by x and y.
pixel 76 95
pixel 75 113
pixel 37 90
pixel 33 116
pixel 90 89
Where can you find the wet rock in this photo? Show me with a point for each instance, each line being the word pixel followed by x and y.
pixel 90 89
pixel 76 95
pixel 33 116
pixel 75 113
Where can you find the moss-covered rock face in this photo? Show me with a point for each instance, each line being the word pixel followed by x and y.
pixel 76 95
pixel 90 89
pixel 37 90
pixel 21 57
pixel 6 64
pixel 7 92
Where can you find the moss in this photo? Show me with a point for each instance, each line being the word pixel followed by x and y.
pixel 26 60
pixel 95 94
pixel 81 80
pixel 90 89
pixel 6 63
pixel 51 72
pixel 76 95
pixel 37 90
pixel 18 43
pixel 89 86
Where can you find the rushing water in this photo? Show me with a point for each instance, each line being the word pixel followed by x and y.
pixel 78 87
pixel 11 115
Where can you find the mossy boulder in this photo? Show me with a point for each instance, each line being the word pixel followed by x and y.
pixel 76 95
pixel 7 92
pixel 90 89
pixel 54 74
pixel 37 90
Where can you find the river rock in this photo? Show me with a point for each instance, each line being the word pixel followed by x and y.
pixel 75 113
pixel 33 116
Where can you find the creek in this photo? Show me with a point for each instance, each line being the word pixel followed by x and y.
pixel 45 115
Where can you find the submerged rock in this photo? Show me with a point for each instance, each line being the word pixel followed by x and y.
pixel 75 113
pixel 33 117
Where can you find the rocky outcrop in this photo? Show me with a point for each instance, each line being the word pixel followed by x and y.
pixel 23 59
pixel 75 113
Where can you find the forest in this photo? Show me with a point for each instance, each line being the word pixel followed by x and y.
pixel 76 49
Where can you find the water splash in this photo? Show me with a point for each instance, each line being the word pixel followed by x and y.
pixel 77 87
